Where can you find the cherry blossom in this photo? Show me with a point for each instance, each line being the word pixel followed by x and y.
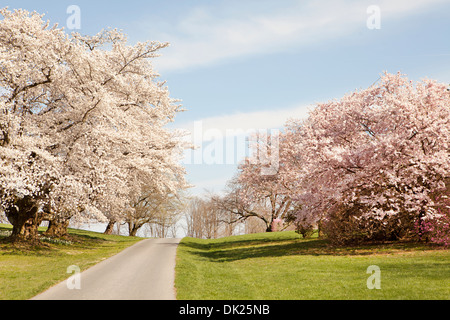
pixel 382 151
pixel 82 123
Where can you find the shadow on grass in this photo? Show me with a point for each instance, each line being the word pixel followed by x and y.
pixel 8 247
pixel 261 248
pixel 76 240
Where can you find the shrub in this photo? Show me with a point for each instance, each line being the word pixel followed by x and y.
pixel 346 225
pixel 436 230
pixel 304 228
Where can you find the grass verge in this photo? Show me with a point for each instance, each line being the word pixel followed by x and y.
pixel 26 271
pixel 283 266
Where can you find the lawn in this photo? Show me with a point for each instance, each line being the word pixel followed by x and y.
pixel 27 271
pixel 283 266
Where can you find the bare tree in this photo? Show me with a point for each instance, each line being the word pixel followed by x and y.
pixel 254 225
pixel 258 198
pixel 160 210
pixel 205 220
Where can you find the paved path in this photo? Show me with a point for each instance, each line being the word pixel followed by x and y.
pixel 144 271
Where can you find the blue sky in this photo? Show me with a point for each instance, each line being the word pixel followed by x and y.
pixel 254 64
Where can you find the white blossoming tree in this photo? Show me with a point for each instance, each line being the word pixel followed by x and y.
pixel 80 118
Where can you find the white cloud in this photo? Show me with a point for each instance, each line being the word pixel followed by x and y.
pixel 207 35
pixel 243 122
pixel 222 143
pixel 213 186
pixel 226 140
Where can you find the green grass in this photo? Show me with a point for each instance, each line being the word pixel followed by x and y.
pixel 26 271
pixel 283 266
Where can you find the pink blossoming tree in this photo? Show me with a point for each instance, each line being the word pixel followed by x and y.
pixel 369 163
pixel 374 165
pixel 262 187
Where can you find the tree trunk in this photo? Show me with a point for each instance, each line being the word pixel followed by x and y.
pixel 133 229
pixel 421 224
pixel 320 228
pixel 57 228
pixel 110 227
pixel 133 232
pixel 25 218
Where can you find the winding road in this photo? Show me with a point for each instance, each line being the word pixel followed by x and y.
pixel 144 271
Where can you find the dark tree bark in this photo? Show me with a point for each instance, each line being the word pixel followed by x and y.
pixel 57 228
pixel 25 218
pixel 133 228
pixel 110 227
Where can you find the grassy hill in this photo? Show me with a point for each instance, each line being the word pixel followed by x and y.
pixel 283 266
pixel 268 266
pixel 27 271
